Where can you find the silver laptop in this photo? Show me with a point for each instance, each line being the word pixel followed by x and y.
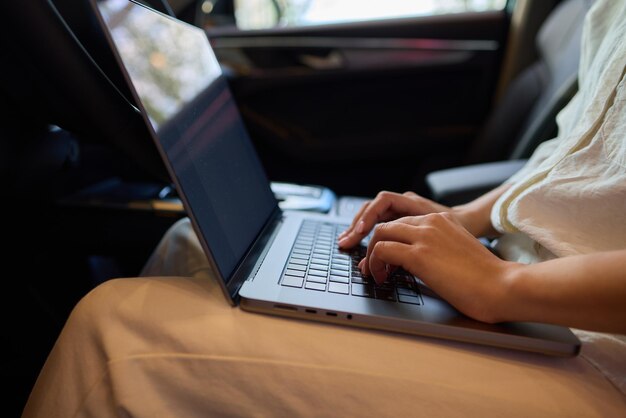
pixel 269 260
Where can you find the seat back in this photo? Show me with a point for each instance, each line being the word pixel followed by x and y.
pixel 526 114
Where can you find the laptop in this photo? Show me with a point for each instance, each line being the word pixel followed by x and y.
pixel 269 260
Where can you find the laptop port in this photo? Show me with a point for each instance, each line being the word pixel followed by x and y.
pixel 285 307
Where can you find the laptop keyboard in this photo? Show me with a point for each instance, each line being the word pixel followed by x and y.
pixel 316 263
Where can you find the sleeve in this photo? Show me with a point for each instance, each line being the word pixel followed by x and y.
pixel 543 151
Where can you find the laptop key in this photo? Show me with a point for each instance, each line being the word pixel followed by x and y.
pixel 407 291
pixel 292 281
pixel 342 288
pixel 296 266
pixel 342 257
pixel 409 299
pixel 362 290
pixel 316 279
pixel 315 286
pixel 340 267
pixel 320 267
pixel 340 273
pixel 339 279
pixel 295 273
pixel 357 273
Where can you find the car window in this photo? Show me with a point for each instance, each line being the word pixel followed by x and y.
pixel 260 14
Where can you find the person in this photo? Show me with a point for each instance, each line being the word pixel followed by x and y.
pixel 172 346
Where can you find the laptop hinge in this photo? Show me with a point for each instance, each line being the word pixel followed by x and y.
pixel 251 262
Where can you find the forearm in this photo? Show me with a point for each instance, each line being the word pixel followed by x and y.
pixel 476 215
pixel 587 292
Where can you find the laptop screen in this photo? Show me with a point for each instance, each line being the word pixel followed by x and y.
pixel 194 117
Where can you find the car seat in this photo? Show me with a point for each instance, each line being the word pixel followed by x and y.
pixel 526 114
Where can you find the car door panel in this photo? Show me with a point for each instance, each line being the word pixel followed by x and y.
pixel 405 95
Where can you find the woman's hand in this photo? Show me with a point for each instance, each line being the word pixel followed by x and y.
pixel 386 206
pixel 439 250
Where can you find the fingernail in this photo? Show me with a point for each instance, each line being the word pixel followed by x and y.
pixel 343 234
pixel 342 242
pixel 361 264
pixel 360 227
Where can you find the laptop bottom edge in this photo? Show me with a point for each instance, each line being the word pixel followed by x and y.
pixel 568 346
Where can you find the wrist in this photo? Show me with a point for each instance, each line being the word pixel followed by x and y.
pixel 475 216
pixel 516 299
pixel 474 221
pixel 499 301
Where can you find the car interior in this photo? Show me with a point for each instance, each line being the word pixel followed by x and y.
pixel 446 105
